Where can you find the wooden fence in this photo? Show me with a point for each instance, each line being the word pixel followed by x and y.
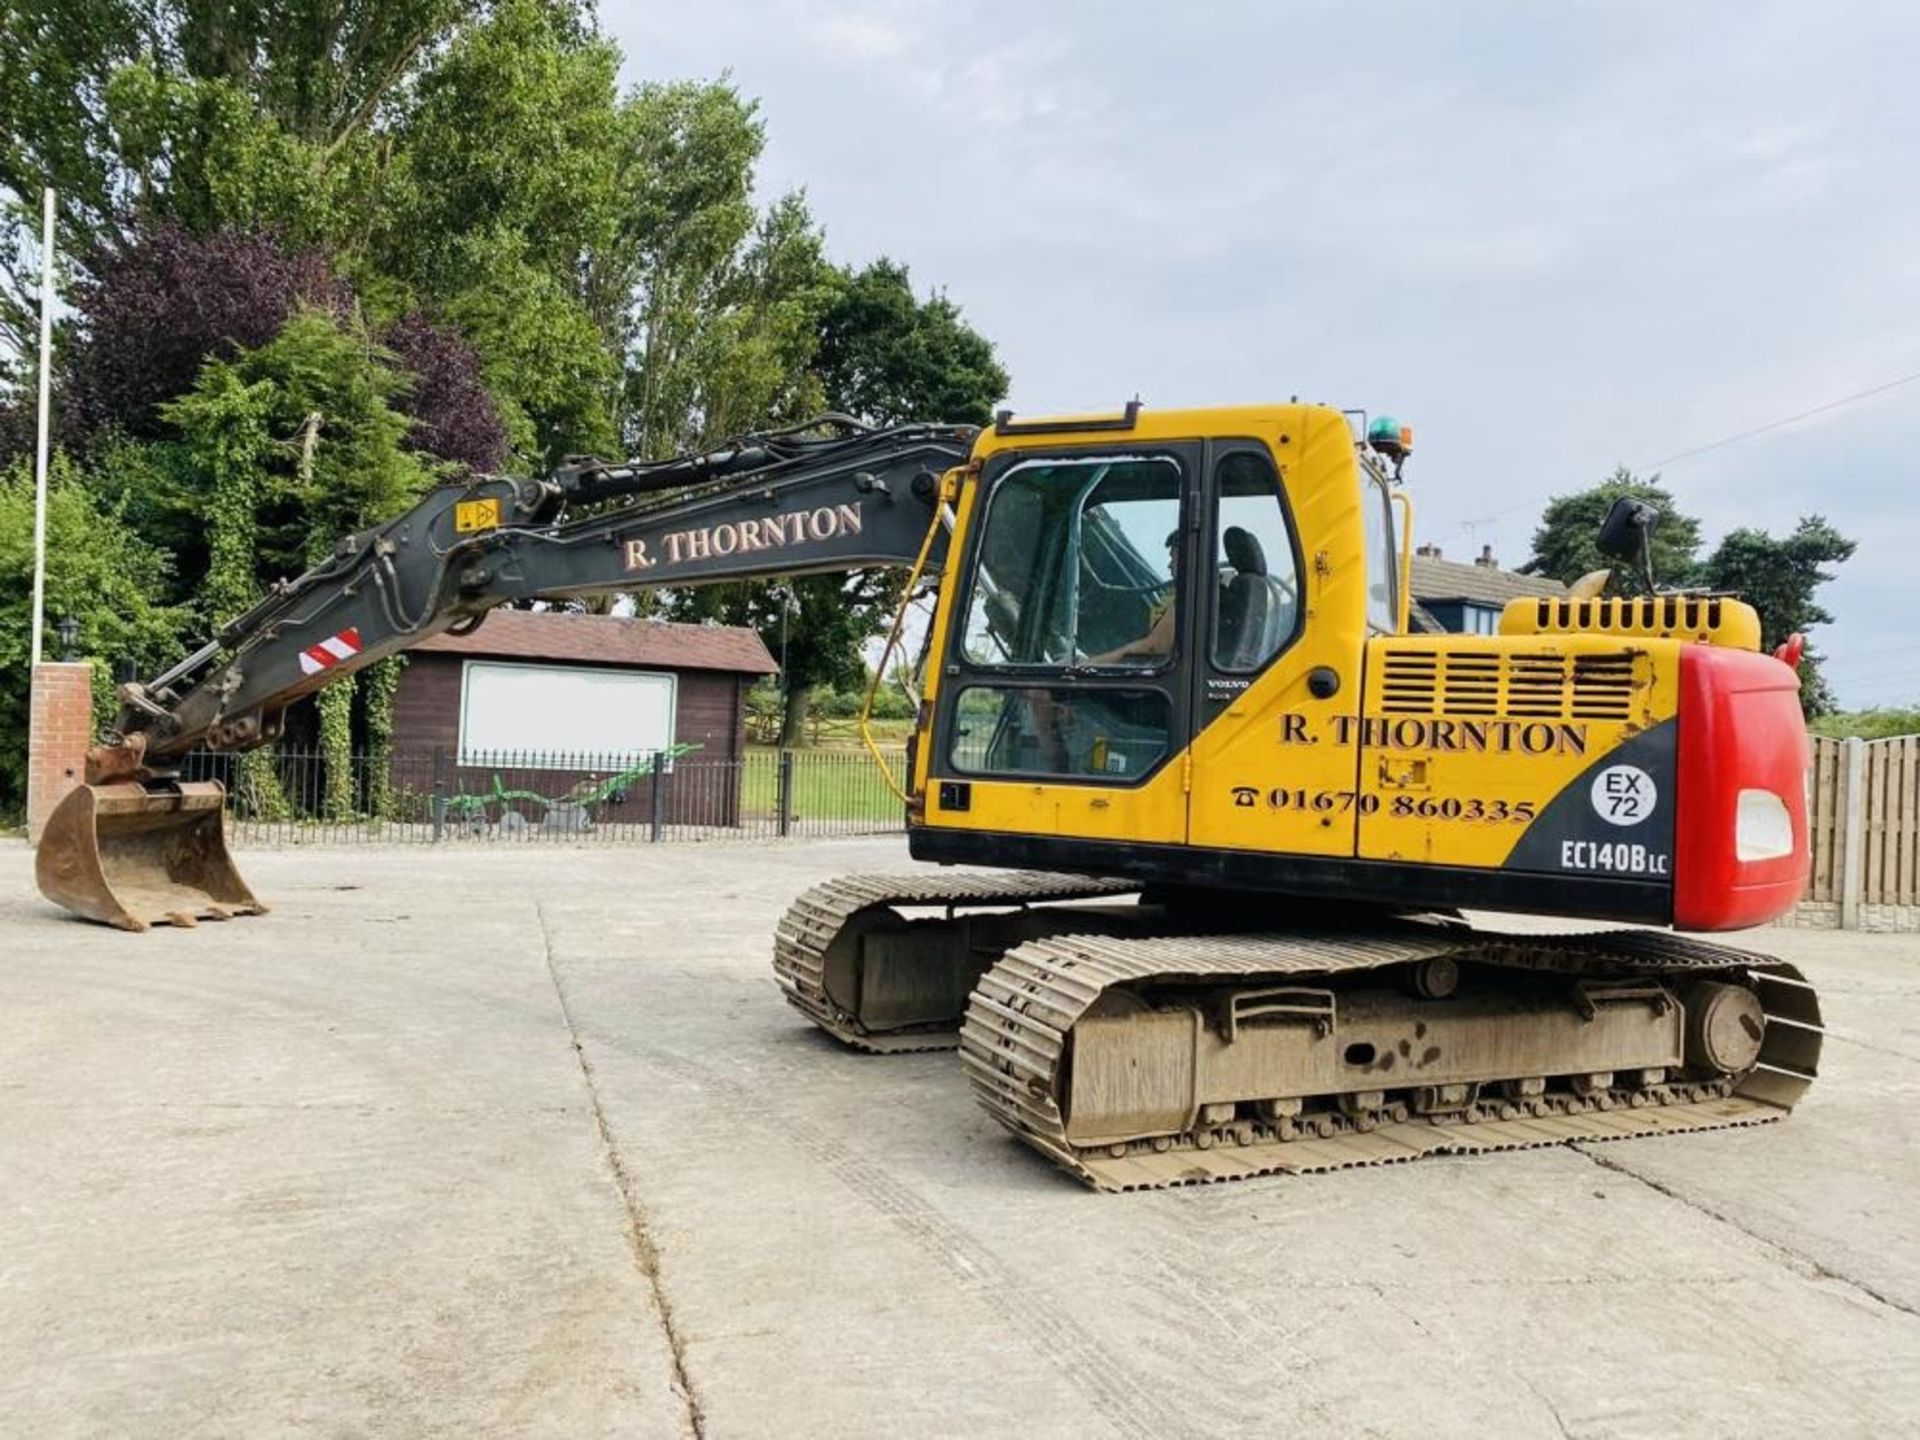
pixel 1865 826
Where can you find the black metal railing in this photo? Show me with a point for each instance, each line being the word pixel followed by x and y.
pixel 435 796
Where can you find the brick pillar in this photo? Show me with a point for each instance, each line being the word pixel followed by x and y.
pixel 59 730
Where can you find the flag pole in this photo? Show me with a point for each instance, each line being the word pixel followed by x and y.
pixel 40 453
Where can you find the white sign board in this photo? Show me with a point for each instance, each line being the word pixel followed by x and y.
pixel 553 717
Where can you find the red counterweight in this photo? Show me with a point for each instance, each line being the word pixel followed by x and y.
pixel 1741 852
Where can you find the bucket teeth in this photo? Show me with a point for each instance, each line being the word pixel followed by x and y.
pixel 133 855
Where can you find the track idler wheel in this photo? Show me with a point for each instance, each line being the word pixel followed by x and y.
pixel 1725 1026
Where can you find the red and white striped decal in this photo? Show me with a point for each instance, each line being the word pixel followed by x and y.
pixel 331 651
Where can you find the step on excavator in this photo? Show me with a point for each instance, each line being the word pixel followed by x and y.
pixel 1233 804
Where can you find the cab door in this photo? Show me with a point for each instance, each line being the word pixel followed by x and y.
pixel 1064 703
pixel 1277 655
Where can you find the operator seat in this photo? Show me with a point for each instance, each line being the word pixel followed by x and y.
pixel 1256 610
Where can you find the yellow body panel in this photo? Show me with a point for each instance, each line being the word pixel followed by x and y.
pixel 1465 739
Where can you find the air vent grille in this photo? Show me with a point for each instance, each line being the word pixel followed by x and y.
pixel 1538 685
pixel 1644 615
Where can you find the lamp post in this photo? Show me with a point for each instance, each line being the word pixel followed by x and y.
pixel 40 447
pixel 69 632
pixel 788 609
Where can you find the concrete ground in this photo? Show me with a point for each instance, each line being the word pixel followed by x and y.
pixel 524 1142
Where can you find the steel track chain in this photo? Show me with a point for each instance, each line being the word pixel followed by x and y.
pixel 1016 1031
pixel 821 915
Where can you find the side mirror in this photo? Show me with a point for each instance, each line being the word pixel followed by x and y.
pixel 1628 529
pixel 1627 534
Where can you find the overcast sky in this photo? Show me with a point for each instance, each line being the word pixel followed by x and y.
pixel 1552 237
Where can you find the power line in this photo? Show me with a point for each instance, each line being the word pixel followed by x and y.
pixel 1725 440
pixel 1866 394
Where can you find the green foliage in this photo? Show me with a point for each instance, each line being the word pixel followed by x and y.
pixel 289 445
pixel 322 71
pixel 890 702
pixel 751 354
pixel 335 707
pixel 199 151
pixel 100 573
pixel 723 308
pixel 257 791
pixel 1877 724
pixel 514 131
pixel 1778 576
pixel 209 113
pixel 56 60
pixel 887 358
pixel 503 189
pixel 540 352
pixel 223 462
pixel 379 683
pixel 1563 547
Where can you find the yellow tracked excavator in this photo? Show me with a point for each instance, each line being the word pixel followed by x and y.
pixel 1233 805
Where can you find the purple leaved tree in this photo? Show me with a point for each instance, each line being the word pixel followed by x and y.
pixel 153 310
pixel 454 416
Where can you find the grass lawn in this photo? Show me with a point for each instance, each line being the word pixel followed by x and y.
pixel 828 784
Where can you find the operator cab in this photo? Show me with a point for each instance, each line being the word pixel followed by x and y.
pixel 1131 591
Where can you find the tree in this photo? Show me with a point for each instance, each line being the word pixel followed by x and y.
pixel 686 175
pixel 285 448
pixel 455 417
pixel 56 60
pixel 99 572
pixel 501 191
pixel 1779 576
pixel 1563 545
pixel 891 358
pixel 750 355
pixel 540 354
pixel 205 112
pixel 886 357
pixel 157 306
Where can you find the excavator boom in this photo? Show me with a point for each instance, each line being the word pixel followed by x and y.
pixel 137 845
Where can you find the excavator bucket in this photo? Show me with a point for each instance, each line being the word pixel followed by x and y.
pixel 131 856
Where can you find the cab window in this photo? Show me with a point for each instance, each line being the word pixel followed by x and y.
pixel 1258 607
pixel 1077 565
pixel 1116 734
pixel 1383 556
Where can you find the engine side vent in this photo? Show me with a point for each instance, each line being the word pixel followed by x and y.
pixel 1536 685
pixel 1701 619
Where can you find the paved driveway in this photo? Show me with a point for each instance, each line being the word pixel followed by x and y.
pixel 524 1142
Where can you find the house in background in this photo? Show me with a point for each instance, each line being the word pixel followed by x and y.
pixel 1466 597
pixel 558 700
